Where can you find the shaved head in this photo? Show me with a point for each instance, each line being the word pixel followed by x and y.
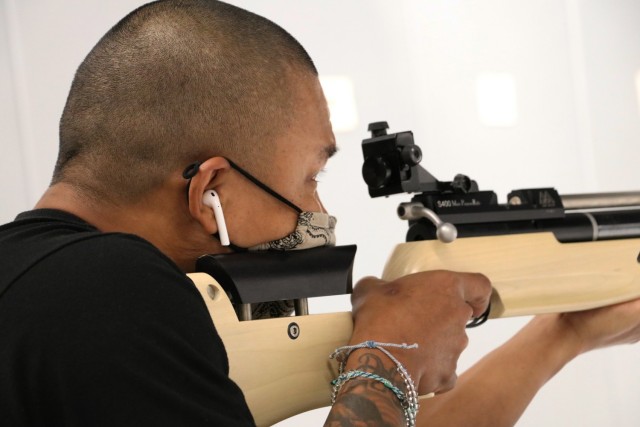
pixel 172 83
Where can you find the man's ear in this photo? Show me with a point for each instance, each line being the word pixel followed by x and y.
pixel 211 174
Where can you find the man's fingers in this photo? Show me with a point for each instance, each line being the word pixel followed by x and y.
pixel 369 281
pixel 362 288
pixel 477 292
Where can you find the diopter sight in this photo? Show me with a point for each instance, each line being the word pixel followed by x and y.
pixel 391 163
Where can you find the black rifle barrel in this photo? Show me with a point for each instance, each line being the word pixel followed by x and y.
pixel 584 225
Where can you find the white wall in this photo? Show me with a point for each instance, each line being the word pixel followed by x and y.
pixel 13 188
pixel 414 64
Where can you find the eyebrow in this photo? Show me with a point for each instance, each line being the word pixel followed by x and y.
pixel 329 151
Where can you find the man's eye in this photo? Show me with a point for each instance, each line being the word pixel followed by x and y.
pixel 317 177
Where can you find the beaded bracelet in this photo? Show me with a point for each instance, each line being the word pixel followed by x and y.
pixel 344 377
pixel 408 400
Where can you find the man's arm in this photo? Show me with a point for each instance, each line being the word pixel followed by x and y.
pixel 496 391
pixel 368 401
pixel 430 309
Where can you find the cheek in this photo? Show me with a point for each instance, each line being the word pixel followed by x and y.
pixel 300 191
pixel 252 216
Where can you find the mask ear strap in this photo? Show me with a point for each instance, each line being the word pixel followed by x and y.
pixel 189 173
pixel 264 187
pixel 191 170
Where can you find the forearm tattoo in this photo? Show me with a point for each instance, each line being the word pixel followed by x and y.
pixel 365 402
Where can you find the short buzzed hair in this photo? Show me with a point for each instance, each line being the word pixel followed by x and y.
pixel 176 81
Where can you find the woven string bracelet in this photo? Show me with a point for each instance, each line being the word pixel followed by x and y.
pixel 410 402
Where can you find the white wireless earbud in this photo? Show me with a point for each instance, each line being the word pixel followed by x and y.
pixel 211 199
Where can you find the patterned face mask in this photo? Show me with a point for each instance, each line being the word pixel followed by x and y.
pixel 314 229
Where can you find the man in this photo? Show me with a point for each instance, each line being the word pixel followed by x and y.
pixel 119 336
pixel 100 325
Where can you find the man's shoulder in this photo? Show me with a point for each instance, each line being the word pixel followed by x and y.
pixel 123 262
pixel 59 245
pixel 104 282
pixel 108 312
pixel 116 254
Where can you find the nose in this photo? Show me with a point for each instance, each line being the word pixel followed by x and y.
pixel 319 206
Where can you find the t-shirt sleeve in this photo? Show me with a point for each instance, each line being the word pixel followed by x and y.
pixel 125 339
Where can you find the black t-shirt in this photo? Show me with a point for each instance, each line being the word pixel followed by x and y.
pixel 102 329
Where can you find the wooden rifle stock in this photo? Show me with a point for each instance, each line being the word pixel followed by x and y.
pixel 282 376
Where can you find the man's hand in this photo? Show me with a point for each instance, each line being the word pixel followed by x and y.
pixel 603 327
pixel 431 309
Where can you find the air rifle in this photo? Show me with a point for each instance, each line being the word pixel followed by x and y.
pixel 543 253
pixel 534 247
